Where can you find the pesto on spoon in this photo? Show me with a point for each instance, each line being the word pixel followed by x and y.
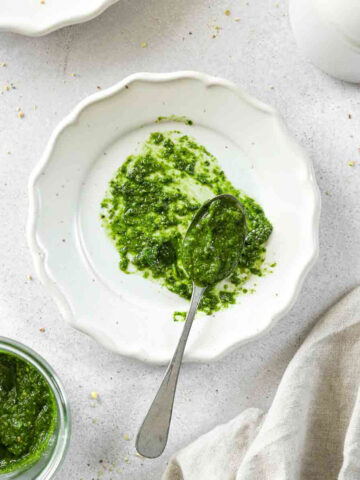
pixel 211 251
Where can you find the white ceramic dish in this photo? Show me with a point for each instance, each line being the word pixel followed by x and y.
pixel 34 19
pixel 328 33
pixel 75 259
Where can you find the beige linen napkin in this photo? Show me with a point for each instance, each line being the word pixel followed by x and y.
pixel 312 430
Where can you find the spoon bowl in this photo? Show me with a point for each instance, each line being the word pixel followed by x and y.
pixel 214 240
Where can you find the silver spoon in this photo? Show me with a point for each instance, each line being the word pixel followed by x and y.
pixel 153 434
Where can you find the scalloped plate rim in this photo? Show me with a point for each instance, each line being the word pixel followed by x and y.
pixel 32 29
pixel 38 254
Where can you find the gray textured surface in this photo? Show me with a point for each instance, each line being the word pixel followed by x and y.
pixel 257 52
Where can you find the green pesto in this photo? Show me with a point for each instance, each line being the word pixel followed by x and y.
pixel 28 414
pixel 151 201
pixel 214 242
pixel 179 316
pixel 175 118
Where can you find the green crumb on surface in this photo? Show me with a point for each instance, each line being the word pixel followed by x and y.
pixel 179 316
pixel 175 118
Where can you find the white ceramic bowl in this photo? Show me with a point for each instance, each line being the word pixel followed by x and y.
pixel 328 33
pixel 30 17
pixel 75 259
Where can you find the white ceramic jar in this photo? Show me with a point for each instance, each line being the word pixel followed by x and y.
pixel 328 33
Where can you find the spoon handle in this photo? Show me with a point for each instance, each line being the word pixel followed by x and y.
pixel 153 434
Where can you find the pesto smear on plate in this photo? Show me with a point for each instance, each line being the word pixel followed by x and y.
pixel 28 414
pixel 150 203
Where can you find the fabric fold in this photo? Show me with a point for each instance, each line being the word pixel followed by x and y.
pixel 312 429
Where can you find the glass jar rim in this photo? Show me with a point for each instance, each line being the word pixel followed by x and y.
pixel 58 453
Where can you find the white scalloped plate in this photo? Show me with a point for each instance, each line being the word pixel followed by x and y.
pixel 34 19
pixel 79 265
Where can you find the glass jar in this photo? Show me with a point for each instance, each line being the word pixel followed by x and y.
pixel 54 454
